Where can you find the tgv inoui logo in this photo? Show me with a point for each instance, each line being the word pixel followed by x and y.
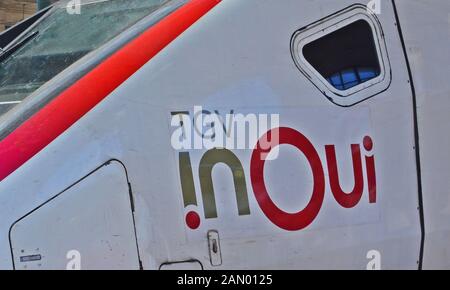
pixel 288 221
pixel 204 129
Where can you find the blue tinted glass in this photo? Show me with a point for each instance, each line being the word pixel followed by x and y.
pixel 349 78
pixel 366 74
pixel 335 80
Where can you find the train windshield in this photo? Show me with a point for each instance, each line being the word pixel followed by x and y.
pixel 64 36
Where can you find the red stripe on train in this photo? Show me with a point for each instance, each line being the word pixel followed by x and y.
pixel 67 108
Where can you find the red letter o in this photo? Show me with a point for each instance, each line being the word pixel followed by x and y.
pixel 282 219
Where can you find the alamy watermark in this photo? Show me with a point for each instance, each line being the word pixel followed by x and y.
pixel 73 7
pixel 374 257
pixel 74 260
pixel 204 129
pixel 374 7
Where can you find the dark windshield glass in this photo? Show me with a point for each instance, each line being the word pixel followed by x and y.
pixel 61 39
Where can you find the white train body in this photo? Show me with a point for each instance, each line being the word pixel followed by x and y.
pixel 92 176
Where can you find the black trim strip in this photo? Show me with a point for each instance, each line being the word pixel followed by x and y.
pixel 190 261
pixel 416 136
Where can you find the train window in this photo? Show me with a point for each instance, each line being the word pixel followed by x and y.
pixel 344 56
pixel 60 39
pixel 348 78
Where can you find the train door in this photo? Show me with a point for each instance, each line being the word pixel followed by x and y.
pixel 90 225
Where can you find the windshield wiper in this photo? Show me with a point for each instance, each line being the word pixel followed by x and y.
pixel 4 54
pixel 8 36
